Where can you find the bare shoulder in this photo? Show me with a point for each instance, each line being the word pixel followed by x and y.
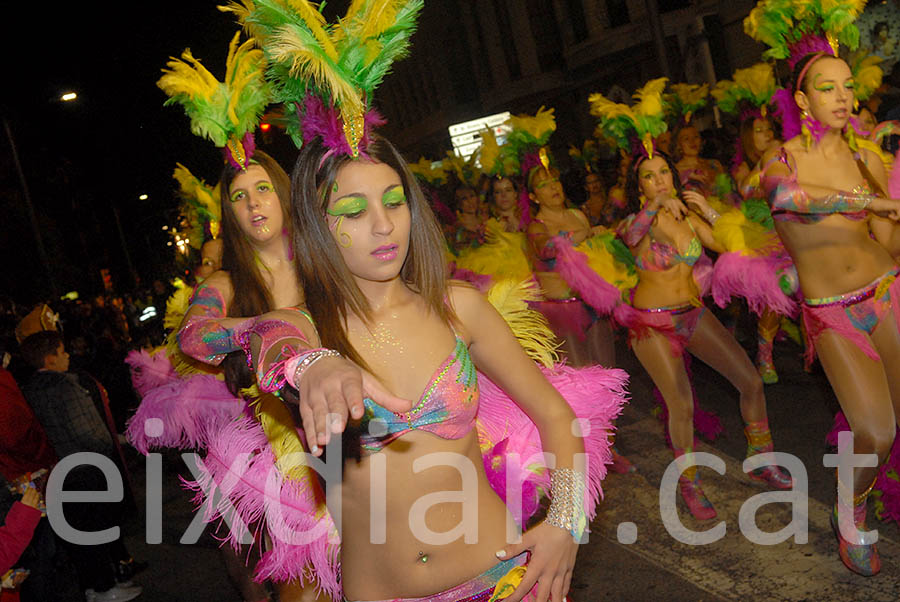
pixel 221 280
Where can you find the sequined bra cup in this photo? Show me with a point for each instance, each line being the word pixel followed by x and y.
pixel 659 257
pixel 786 194
pixel 447 408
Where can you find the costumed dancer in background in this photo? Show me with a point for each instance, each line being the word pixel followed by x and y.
pixel 468 231
pixel 748 95
pixel 664 313
pixel 696 172
pixel 201 210
pixel 825 194
pixel 577 311
pixel 257 260
pixel 595 206
pixel 371 259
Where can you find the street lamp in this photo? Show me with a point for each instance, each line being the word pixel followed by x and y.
pixel 143 197
pixel 68 97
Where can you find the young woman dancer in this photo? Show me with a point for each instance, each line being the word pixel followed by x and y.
pixel 825 197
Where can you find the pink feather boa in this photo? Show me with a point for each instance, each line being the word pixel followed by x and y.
pixel 894 181
pixel 190 411
pixel 573 266
pixel 755 278
pixel 887 485
pixel 150 371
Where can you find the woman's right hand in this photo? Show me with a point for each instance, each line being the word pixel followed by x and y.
pixel 31 497
pixel 889 208
pixel 332 392
pixel 673 205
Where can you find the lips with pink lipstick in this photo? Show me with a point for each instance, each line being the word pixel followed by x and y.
pixel 386 252
pixel 842 113
pixel 258 220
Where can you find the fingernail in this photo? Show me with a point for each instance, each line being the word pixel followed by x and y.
pixel 314 449
pixel 500 553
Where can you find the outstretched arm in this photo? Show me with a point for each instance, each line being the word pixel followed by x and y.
pixel 206 331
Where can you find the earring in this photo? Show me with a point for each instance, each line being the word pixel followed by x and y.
pixel 643 200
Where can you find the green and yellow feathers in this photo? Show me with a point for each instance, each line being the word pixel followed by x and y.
pixel 867 74
pixel 753 86
pixel 686 99
pixel 780 24
pixel 342 62
pixel 220 110
pixel 199 205
pixel 645 120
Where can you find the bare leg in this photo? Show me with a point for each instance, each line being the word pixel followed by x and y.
pixel 712 344
pixel 670 377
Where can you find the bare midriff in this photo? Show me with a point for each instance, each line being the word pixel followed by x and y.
pixel 404 565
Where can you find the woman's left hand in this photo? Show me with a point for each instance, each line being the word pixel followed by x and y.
pixel 553 552
pixel 692 197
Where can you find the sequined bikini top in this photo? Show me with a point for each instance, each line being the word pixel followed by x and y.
pixel 447 407
pixel 659 257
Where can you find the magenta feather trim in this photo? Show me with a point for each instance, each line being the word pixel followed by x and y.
pixel 755 278
pixel 567 317
pixel 572 265
pixel 808 44
pixel 319 121
pixel 241 465
pixel 787 112
pixel 596 396
pixel 707 424
pixel 482 282
pixel 886 490
pixel 249 146
pixel 524 208
pixel 444 213
pixel 149 371
pixel 894 180
pixel 189 411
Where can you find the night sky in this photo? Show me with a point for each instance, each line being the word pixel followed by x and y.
pixel 114 143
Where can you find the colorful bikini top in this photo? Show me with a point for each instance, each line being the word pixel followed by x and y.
pixel 447 407
pixel 659 257
pixel 790 203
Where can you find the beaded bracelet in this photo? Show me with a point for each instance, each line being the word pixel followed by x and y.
pixel 297 365
pixel 566 511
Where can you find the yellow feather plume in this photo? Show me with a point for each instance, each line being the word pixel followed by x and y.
pixel 759 79
pixel 604 108
pixel 316 23
pixel 281 431
pixel 379 16
pixel 510 298
pixel 489 153
pixel 649 98
pixel 188 76
pixel 538 126
pixel 691 94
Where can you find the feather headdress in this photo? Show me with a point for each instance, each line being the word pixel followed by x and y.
pixel 466 171
pixel 749 92
pixel 224 112
pixel 633 127
pixel 527 139
pixel 586 156
pixel 329 71
pixel 687 99
pixel 867 74
pixel 427 172
pixel 200 206
pixel 498 160
pixel 794 28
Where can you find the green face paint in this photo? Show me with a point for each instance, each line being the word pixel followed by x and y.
pixel 394 197
pixel 350 206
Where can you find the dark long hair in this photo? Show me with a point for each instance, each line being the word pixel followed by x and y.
pixel 331 291
pixel 633 191
pixel 238 256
